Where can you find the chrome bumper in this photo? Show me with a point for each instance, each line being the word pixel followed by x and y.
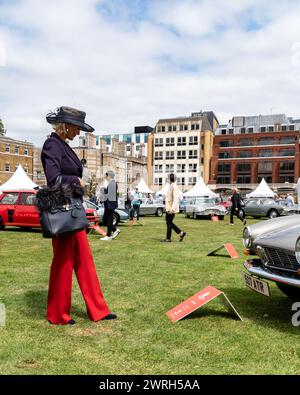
pixel 259 271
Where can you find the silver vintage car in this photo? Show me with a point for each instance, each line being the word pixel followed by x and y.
pixel 118 216
pixel 204 207
pixel 264 207
pixel 277 244
pixel 152 207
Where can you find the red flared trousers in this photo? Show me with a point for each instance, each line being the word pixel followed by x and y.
pixel 72 251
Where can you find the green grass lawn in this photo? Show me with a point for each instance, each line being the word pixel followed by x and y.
pixel 141 279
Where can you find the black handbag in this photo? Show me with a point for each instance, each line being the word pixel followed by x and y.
pixel 60 208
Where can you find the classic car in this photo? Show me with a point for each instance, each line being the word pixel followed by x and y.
pixel 119 215
pixel 264 207
pixel 182 204
pixel 277 244
pixel 17 208
pixel 204 207
pixel 290 210
pixel 149 206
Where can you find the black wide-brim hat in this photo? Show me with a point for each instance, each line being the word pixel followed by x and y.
pixel 69 115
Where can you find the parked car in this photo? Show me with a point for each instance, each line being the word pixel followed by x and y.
pixel 150 206
pixel 182 205
pixel 258 208
pixel 277 244
pixel 204 207
pixel 291 210
pixel 119 215
pixel 17 208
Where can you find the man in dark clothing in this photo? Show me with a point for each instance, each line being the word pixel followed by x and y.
pixel 110 197
pixel 236 205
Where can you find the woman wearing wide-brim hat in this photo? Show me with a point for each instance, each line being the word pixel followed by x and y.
pixel 71 250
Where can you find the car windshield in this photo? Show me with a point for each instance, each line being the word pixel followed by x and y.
pixel 89 204
pixel 204 200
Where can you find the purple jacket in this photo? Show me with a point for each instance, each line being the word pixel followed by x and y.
pixel 59 159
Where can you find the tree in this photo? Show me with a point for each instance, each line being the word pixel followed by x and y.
pixel 2 130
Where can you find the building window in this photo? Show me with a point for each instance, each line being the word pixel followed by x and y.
pixel 250 130
pixel 159 142
pixel 202 161
pixel 158 129
pixel 169 169
pixel 223 180
pixel 224 168
pixel 230 131
pixel 159 155
pixel 181 181
pixel 186 127
pixel 181 168
pixel 287 152
pixel 244 167
pixel 265 167
pixel 271 128
pixel 287 140
pixel 174 128
pixel 265 153
pixel 163 129
pixel 17 150
pixel 169 154
pixel 181 141
pixel 243 179
pixel 225 155
pixel 16 166
pixel 283 128
pixel 158 181
pixel 7 167
pixel 287 166
pixel 158 168
pixel 197 126
pixel 263 129
pixel 192 180
pixel 246 142
pixel 193 140
pixel 25 151
pixel 266 141
pixel 193 167
pixel 181 154
pixel 244 154
pixel 193 154
pixel 243 130
pixel 137 139
pixel 181 128
pixel 39 175
pixel 7 148
pixel 170 141
pixel 169 128
pixel 223 131
pixel 226 143
pixel 286 178
pixel 137 147
pixel 292 127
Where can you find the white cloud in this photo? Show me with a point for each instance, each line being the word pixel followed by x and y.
pixel 125 72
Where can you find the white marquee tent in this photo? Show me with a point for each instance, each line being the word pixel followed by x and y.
pixel 263 190
pixel 143 187
pixel 163 190
pixel 18 181
pixel 200 189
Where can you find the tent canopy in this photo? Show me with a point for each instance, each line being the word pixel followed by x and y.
pixel 18 181
pixel 200 189
pixel 263 190
pixel 163 190
pixel 143 187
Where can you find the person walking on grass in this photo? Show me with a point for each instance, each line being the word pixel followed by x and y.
pixel 110 198
pixel 136 202
pixel 172 207
pixel 236 205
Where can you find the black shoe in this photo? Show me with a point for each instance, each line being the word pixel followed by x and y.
pixel 182 235
pixel 244 222
pixel 71 322
pixel 110 316
pixel 165 241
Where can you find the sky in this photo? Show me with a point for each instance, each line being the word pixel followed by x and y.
pixel 131 62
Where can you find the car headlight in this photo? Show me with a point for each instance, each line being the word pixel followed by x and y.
pixel 261 253
pixel 297 250
pixel 247 241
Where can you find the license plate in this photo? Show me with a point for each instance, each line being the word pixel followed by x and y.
pixel 259 286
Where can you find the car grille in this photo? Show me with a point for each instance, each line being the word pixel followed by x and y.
pixel 281 259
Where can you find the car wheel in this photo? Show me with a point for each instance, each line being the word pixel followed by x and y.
pixel 242 213
pixel 159 212
pixel 221 217
pixel 273 214
pixel 291 292
pixel 2 227
pixel 116 219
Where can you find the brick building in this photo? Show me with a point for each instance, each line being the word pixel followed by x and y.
pixel 250 148
pixel 12 154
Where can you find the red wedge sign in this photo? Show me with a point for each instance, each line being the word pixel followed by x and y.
pixel 198 300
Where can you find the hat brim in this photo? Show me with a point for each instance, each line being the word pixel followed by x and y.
pixel 82 125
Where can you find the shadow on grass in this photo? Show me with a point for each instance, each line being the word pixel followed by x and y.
pixel 209 312
pixel 272 312
pixel 36 302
